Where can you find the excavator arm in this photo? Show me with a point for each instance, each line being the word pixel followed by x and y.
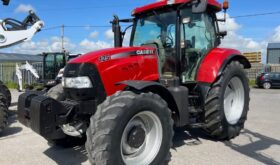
pixel 14 32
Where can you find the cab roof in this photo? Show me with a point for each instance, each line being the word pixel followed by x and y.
pixel 163 3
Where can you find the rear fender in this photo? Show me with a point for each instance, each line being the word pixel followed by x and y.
pixel 216 61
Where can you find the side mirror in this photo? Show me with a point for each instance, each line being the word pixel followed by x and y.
pixel 6 2
pixel 199 6
pixel 222 34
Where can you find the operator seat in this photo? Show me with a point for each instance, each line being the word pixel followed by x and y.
pixel 161 52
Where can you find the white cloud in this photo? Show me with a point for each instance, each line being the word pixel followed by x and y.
pixel 236 41
pixel 276 35
pixel 87 45
pixel 50 45
pixel 94 34
pixel 24 8
pixel 109 34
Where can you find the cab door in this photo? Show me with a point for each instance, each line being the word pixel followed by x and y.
pixel 198 37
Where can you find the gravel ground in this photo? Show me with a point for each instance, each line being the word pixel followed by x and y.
pixel 259 142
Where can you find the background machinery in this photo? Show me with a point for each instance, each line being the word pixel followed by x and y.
pixel 14 32
pixel 127 100
pixel 53 67
pixel 27 67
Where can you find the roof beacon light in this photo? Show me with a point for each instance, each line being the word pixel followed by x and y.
pixel 225 5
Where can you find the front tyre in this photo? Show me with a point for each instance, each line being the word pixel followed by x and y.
pixel 130 129
pixel 227 103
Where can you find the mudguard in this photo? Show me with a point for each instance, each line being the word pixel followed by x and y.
pixel 174 103
pixel 215 62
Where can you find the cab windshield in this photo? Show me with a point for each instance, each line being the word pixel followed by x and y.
pixel 158 30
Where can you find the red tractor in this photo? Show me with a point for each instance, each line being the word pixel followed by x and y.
pixel 127 100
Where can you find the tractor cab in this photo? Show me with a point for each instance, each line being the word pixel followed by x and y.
pixel 182 33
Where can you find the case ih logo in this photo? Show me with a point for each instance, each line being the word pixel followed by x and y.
pixel 145 52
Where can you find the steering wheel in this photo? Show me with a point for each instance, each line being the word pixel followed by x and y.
pixel 11 24
pixel 166 43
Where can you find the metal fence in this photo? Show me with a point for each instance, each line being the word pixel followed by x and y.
pixel 8 73
pixel 257 68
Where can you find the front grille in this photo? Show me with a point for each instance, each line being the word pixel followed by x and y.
pixel 97 92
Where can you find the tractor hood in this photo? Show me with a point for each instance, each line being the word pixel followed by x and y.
pixel 116 65
pixel 104 55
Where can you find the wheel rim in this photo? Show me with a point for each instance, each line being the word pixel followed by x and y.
pixel 234 100
pixel 266 85
pixel 141 151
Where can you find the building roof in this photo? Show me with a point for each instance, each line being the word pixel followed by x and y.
pixel 273 46
pixel 14 57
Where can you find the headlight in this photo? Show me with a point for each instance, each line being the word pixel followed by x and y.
pixel 76 82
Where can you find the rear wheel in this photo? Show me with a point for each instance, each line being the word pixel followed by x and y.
pixel 130 129
pixel 227 103
pixel 3 112
pixel 267 85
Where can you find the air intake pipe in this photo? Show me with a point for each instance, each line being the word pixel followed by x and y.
pixel 118 39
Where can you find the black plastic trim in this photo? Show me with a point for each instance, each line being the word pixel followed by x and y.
pixel 97 92
pixel 243 60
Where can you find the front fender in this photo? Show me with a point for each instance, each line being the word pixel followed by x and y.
pixel 180 115
pixel 215 62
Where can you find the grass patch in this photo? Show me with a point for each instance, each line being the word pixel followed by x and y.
pixel 11 85
pixel 252 82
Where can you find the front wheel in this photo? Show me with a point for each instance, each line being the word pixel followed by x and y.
pixel 227 103
pixel 130 129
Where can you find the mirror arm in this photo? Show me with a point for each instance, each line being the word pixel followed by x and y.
pixel 225 17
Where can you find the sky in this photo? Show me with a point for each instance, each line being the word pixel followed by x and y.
pixel 88 28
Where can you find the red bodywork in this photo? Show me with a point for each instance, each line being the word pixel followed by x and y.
pixel 212 62
pixel 157 5
pixel 120 64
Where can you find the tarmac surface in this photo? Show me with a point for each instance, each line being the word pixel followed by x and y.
pixel 259 142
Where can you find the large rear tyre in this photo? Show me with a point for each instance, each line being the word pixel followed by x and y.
pixel 6 92
pixel 3 112
pixel 130 129
pixel 227 103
